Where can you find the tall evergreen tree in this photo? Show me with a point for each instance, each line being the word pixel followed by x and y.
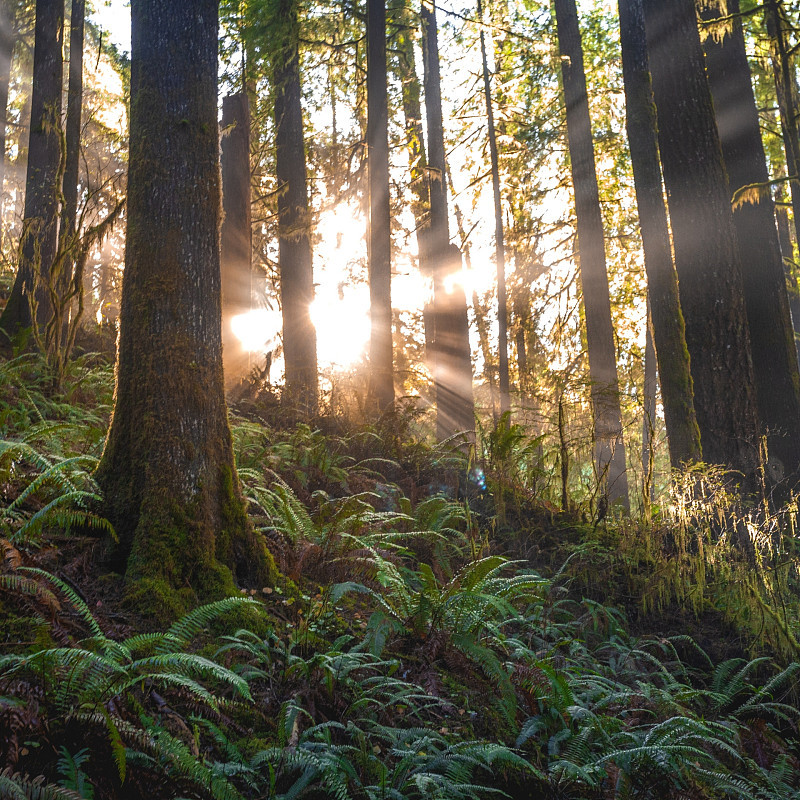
pixel 294 241
pixel 72 133
pixel 7 41
pixel 499 237
pixel 380 231
pixel 766 297
pixel 236 234
pixel 452 363
pixel 706 255
pixel 788 105
pixel 42 183
pixel 669 334
pixel 610 448
pixel 167 472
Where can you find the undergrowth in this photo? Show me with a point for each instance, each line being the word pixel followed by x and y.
pixel 441 629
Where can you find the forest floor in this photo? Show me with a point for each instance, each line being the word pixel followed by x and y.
pixel 439 629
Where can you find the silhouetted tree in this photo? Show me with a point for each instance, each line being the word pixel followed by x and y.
pixel 706 255
pixel 42 183
pixel 380 231
pixel 669 335
pixel 766 298
pixel 610 448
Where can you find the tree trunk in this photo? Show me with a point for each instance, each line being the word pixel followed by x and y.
pixel 789 270
pixel 167 472
pixel 40 217
pixel 294 242
pixel 706 256
pixel 610 448
pixel 455 410
pixel 766 298
pixel 69 212
pixel 7 40
pixel 774 17
pixel 499 238
pixel 380 232
pixel 669 334
pixel 236 236
pixel 649 388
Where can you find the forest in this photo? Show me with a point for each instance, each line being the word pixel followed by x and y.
pixel 400 401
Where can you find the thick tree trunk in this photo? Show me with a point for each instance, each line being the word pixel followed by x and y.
pixel 167 472
pixel 380 232
pixel 7 40
pixel 766 298
pixel 40 217
pixel 455 410
pixel 610 448
pixel 706 256
pixel 669 336
pixel 785 83
pixel 236 236
pixel 499 238
pixel 294 242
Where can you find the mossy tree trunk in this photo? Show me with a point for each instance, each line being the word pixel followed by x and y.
pixel 610 447
pixel 236 238
pixel 668 328
pixel 167 472
pixel 765 293
pixel 40 217
pixel 294 242
pixel 452 362
pixel 380 232
pixel 706 254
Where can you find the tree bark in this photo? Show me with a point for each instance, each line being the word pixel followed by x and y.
pixel 785 85
pixel 167 472
pixel 455 410
pixel 294 242
pixel 610 448
pixel 7 40
pixel 787 252
pixel 380 232
pixel 499 238
pixel 766 298
pixel 40 217
pixel 649 388
pixel 69 212
pixel 706 256
pixel 236 236
pixel 669 333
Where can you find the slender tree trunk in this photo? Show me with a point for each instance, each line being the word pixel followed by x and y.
pixel 455 411
pixel 7 40
pixel 774 17
pixel 669 333
pixel 706 256
pixel 610 448
pixel 40 217
pixel 499 238
pixel 294 242
pixel 766 298
pixel 789 269
pixel 167 472
pixel 236 242
pixel 380 232
pixel 649 388
pixel 69 212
